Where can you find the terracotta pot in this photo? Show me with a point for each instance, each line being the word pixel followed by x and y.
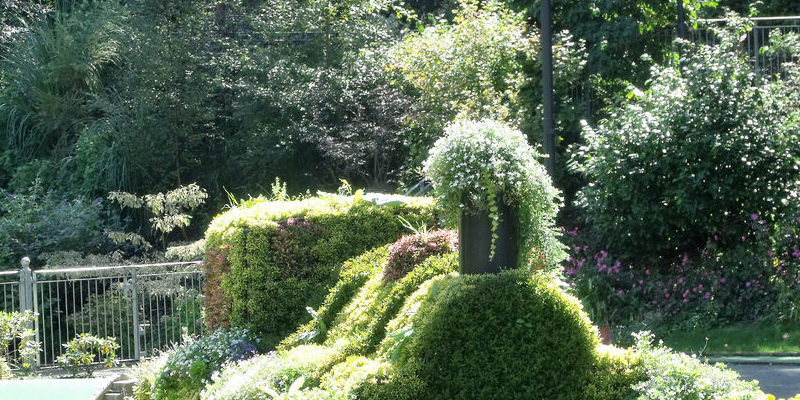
pixel 605 335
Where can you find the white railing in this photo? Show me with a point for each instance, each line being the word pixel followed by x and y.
pixel 145 307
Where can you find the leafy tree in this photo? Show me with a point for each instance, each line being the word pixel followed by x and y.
pixel 708 145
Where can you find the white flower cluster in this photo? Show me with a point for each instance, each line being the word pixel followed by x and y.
pixel 476 160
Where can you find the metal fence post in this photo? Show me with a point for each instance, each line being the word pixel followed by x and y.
pixel 28 296
pixel 135 305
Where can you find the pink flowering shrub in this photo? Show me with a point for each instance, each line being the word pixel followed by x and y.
pixel 753 277
pixel 410 250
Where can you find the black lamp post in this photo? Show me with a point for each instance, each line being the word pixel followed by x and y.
pixel 546 18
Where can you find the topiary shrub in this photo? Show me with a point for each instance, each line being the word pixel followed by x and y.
pixel 507 336
pixel 692 157
pixel 188 368
pixel 216 302
pixel 410 250
pixel 285 255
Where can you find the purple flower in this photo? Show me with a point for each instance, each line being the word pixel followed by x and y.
pixel 621 292
pixel 97 201
pixel 796 253
pixel 754 217
pixel 647 271
pixel 707 295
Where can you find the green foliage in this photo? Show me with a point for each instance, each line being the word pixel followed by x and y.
pixel 614 374
pixel 470 68
pixel 704 147
pixel 511 335
pixel 677 375
pixel 285 255
pixel 276 372
pixel 189 367
pixel 17 342
pixel 169 210
pixel 37 221
pixel 480 165
pixel 81 353
pixel 483 64
pixel 146 372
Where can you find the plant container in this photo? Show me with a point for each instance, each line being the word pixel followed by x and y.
pixel 475 240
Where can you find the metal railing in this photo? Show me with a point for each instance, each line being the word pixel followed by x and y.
pixel 765 32
pixel 144 307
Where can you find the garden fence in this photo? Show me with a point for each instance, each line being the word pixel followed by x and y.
pixel 144 307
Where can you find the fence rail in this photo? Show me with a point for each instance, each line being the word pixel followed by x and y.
pixel 144 307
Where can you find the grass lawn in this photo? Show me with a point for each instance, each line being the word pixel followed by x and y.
pixel 737 339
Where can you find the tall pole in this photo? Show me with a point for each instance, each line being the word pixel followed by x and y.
pixel 547 86
pixel 683 29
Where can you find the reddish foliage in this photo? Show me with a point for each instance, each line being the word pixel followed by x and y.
pixel 410 250
pixel 290 247
pixel 217 303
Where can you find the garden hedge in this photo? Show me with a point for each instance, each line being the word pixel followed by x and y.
pixel 270 260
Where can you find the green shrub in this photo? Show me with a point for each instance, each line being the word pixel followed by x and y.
pixel 189 367
pixel 37 221
pixel 410 250
pixel 276 371
pixel 146 372
pixel 285 255
pixel 81 353
pixel 614 373
pixel 692 157
pixel 361 325
pixel 680 376
pixel 18 344
pixel 509 336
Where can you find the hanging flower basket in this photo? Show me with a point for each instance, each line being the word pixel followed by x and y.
pixel 490 184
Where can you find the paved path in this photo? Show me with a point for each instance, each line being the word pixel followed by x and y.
pixel 781 380
pixel 52 389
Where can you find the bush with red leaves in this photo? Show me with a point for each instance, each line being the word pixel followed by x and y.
pixel 410 250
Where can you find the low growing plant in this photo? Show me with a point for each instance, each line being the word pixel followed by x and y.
pixel 82 353
pixel 17 342
pixel 188 368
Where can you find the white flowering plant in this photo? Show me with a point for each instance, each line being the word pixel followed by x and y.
pixel 479 164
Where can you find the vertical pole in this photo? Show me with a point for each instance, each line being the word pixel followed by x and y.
pixel 135 308
pixel 26 298
pixel 683 29
pixel 546 18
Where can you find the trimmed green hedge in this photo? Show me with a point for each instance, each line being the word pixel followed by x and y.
pixel 434 334
pixel 285 255
pixel 508 336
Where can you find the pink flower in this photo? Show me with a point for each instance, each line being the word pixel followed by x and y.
pixel 754 217
pixel 685 260
pixel 796 253
pixel 647 272
pixel 621 292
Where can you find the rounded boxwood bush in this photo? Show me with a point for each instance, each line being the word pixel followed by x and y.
pixel 507 336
